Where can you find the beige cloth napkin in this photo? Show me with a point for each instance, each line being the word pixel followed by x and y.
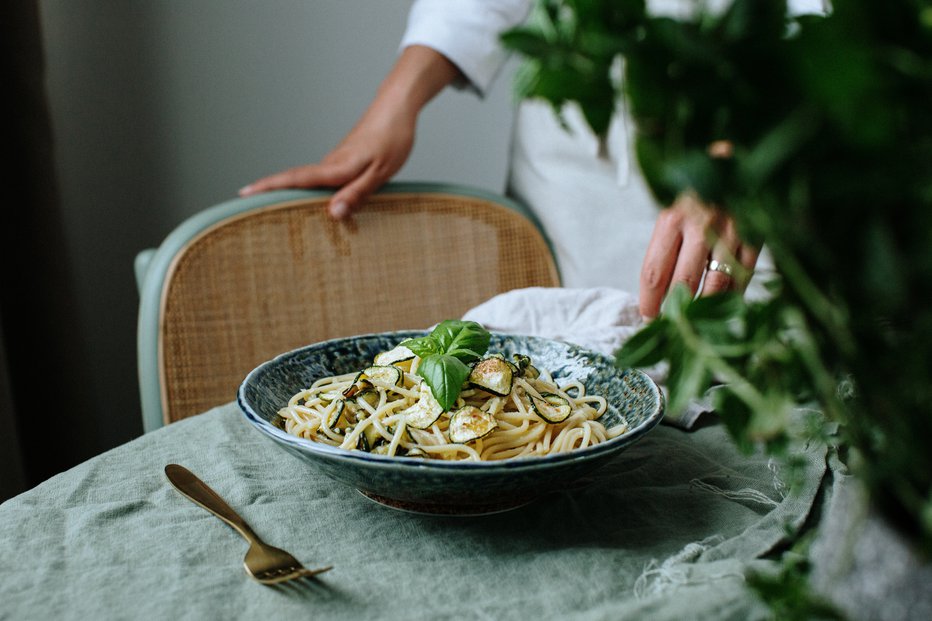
pixel 600 319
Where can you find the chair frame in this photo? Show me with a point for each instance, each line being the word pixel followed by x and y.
pixel 153 266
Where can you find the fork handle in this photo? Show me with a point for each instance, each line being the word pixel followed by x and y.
pixel 201 494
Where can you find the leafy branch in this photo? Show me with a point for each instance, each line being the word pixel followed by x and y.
pixel 828 117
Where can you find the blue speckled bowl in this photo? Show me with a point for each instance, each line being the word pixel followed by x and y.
pixel 443 487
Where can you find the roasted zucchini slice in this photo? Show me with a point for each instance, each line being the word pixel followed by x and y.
pixel 525 368
pixel 469 423
pixel 384 373
pixel 369 439
pixel 522 362
pixel 394 356
pixel 417 452
pixel 370 396
pixel 360 383
pixel 333 418
pixel 425 412
pixel 552 408
pixel 330 395
pixel 494 375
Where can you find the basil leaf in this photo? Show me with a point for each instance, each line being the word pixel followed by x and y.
pixel 645 347
pixel 422 346
pixel 466 355
pixel 465 340
pixel 445 376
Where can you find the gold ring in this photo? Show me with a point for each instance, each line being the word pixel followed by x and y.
pixel 719 266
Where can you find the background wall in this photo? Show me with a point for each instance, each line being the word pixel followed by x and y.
pixel 160 108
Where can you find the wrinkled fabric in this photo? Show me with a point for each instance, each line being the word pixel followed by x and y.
pixel 665 531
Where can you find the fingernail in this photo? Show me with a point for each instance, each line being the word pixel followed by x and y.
pixel 245 190
pixel 339 210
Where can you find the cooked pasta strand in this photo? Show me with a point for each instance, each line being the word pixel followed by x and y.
pixel 333 412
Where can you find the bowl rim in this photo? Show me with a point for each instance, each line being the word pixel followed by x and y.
pixel 322 450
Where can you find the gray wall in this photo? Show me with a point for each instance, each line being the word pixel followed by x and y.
pixel 161 108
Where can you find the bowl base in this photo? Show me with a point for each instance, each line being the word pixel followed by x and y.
pixel 423 508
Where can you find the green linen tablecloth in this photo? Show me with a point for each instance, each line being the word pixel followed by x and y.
pixel 666 531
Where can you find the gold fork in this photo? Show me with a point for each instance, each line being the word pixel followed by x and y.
pixel 265 563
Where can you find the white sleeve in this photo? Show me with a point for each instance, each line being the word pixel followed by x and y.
pixel 466 32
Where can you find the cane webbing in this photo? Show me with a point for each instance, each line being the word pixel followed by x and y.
pixel 270 280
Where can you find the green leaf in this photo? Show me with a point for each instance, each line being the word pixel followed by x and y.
pixel 675 304
pixel 687 380
pixel 445 376
pixel 778 147
pixel 422 346
pixel 753 20
pixel 465 340
pixel 719 307
pixel 696 170
pixel 645 347
pixel 651 160
pixel 735 414
pixel 527 41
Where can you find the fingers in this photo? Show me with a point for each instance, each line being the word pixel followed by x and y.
pixel 724 252
pixel 659 263
pixel 691 263
pixel 358 181
pixel 353 194
pixel 686 237
pixel 747 259
pixel 307 176
pixel 677 252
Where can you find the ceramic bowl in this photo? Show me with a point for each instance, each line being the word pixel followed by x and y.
pixel 445 487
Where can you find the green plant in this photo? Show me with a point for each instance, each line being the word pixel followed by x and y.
pixel 831 167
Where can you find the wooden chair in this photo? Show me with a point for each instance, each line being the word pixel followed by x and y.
pixel 243 281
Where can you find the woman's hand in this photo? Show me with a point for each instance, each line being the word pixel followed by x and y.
pixel 689 240
pixel 375 149
pixel 380 143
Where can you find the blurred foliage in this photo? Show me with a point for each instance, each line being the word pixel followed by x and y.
pixel 832 168
pixel 787 592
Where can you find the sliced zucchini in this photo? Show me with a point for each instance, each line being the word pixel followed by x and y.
pixel 552 408
pixel 394 356
pixel 370 396
pixel 469 423
pixel 333 418
pixel 330 395
pixel 425 412
pixel 525 367
pixel 417 452
pixel 493 375
pixel 384 373
pixel 369 439
pixel 360 383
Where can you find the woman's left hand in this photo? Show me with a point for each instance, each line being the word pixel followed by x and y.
pixel 690 239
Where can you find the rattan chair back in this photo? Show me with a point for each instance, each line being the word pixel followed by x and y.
pixel 266 280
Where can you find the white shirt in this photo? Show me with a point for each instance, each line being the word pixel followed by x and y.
pixel 597 212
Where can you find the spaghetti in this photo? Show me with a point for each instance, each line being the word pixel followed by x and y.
pixel 388 409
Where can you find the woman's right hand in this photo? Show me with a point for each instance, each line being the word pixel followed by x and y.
pixel 380 143
pixel 375 149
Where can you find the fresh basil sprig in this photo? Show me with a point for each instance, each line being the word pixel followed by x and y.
pixel 445 354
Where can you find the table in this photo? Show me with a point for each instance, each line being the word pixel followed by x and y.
pixel 667 530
